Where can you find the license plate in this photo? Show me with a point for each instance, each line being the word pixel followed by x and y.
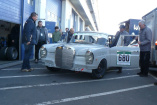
pixel 123 58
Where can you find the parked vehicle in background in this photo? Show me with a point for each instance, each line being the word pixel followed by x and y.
pixel 131 26
pixel 151 22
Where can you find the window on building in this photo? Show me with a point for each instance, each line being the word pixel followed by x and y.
pixel 48 13
pixel 30 2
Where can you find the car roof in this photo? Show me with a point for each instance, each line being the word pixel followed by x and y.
pixel 91 32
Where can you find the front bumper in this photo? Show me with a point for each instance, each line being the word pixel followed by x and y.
pixel 78 65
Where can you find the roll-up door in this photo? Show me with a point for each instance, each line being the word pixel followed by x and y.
pixel 10 11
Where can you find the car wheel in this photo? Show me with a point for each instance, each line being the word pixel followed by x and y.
pixel 12 53
pixel 52 69
pixel 100 71
pixel 3 53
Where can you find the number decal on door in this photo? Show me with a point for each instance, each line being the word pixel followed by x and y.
pixel 123 58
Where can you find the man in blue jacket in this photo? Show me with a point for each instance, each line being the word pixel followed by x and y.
pixel 29 40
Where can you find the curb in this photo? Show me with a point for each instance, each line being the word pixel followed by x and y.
pixel 12 64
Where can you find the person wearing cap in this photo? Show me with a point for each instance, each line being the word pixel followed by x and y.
pixel 126 40
pixel 56 35
pixel 121 32
pixel 145 37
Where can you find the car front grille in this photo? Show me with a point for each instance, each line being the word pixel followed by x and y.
pixel 64 57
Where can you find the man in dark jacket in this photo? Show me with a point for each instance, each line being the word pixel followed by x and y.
pixel 42 38
pixel 121 32
pixel 29 40
pixel 145 35
pixel 126 40
pixel 15 31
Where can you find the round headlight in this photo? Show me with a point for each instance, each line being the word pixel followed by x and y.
pixel 89 57
pixel 43 52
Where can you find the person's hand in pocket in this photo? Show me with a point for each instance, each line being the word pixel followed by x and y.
pixel 28 43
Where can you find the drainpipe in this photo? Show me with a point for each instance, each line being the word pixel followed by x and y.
pixel 21 31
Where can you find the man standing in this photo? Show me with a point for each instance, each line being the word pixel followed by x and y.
pixel 56 35
pixel 70 34
pixel 42 38
pixel 126 40
pixel 29 40
pixel 15 31
pixel 145 48
pixel 121 32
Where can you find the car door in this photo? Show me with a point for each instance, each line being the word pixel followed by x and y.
pixel 124 56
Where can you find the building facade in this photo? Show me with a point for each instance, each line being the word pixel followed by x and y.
pixel 78 14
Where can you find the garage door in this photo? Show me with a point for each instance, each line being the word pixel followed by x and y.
pixel 10 10
pixel 29 7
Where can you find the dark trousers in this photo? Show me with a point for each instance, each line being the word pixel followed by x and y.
pixel 144 61
pixel 37 47
pixel 28 52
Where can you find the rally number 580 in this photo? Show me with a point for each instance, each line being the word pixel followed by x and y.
pixel 124 57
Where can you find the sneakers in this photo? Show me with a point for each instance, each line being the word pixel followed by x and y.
pixel 27 70
pixel 144 75
pixel 36 60
pixel 140 73
pixel 155 83
pixel 31 69
pixel 120 70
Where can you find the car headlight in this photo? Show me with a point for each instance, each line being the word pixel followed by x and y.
pixel 89 57
pixel 43 52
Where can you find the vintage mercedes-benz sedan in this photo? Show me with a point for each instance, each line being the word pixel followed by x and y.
pixel 92 52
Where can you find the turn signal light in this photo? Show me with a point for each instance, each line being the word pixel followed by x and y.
pixel 156 43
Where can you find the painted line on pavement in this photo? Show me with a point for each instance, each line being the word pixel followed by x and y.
pixel 24 76
pixel 153 76
pixel 93 95
pixel 64 83
pixel 20 68
pixel 46 68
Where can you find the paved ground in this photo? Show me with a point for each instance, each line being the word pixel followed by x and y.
pixel 43 87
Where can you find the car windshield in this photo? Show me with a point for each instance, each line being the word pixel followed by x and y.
pixel 83 38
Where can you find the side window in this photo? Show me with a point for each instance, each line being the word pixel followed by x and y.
pixel 128 40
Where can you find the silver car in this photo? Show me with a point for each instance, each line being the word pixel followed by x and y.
pixel 91 52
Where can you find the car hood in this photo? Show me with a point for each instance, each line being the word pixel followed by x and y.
pixel 80 49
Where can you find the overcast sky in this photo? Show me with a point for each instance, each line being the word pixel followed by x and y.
pixel 112 12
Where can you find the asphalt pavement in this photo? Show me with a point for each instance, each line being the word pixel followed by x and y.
pixel 44 87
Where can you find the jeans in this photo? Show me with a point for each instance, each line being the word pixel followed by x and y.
pixel 144 61
pixel 28 51
pixel 37 47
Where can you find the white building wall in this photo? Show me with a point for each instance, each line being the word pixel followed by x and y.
pixel 67 21
pixel 40 9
